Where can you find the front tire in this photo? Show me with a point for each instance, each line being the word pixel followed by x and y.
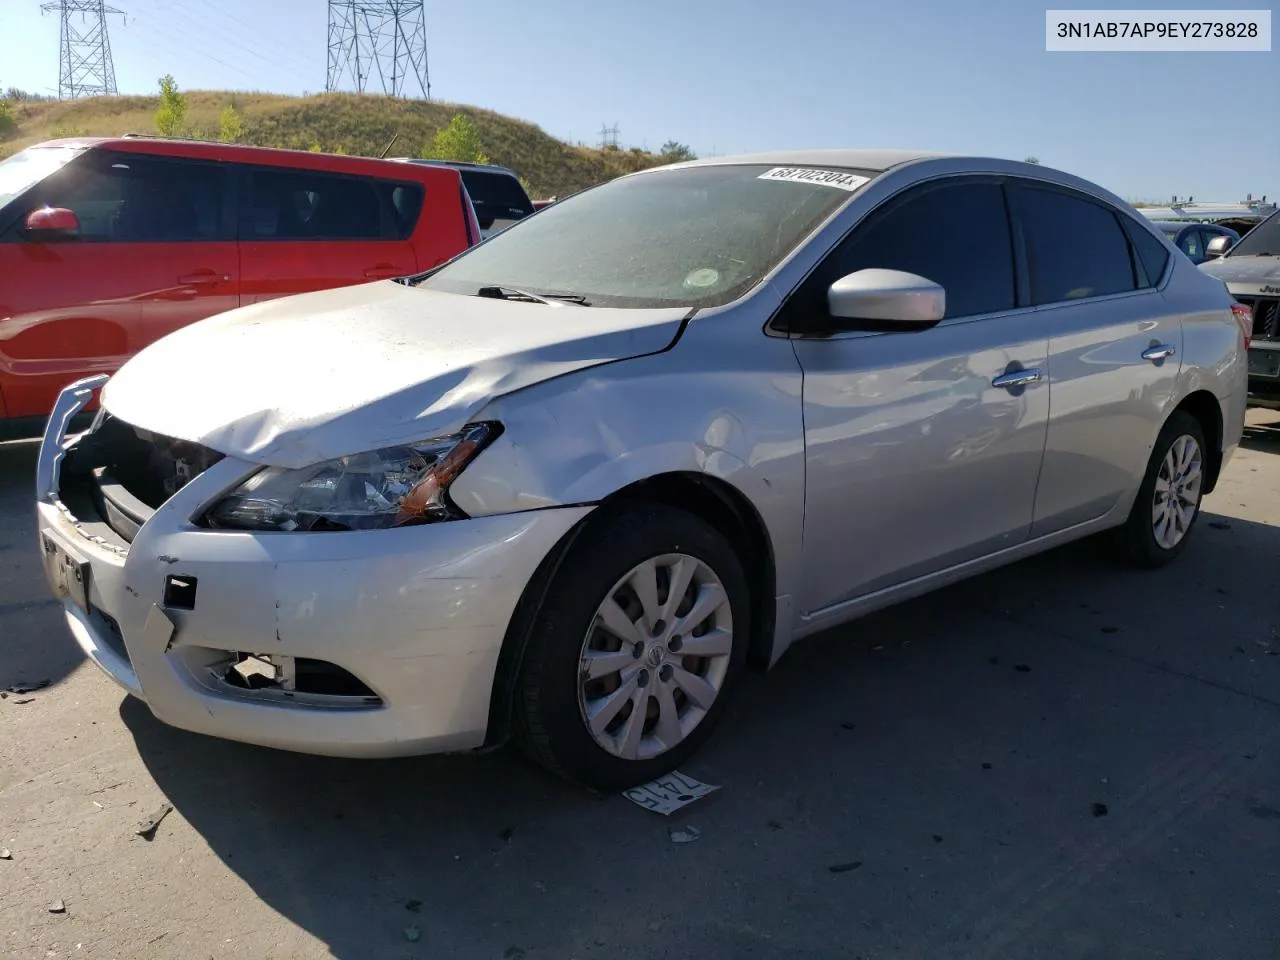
pixel 1168 501
pixel 635 651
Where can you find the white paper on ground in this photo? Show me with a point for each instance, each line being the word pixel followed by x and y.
pixel 666 795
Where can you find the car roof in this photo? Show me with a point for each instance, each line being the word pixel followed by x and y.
pixel 877 160
pixel 217 150
pixel 459 165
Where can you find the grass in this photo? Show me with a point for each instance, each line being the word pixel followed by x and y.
pixel 357 124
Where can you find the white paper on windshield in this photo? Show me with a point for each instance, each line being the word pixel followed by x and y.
pixel 668 794
pixel 824 178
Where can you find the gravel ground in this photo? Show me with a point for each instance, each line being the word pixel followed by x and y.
pixel 1061 759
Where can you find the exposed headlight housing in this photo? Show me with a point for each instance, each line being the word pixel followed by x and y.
pixel 391 487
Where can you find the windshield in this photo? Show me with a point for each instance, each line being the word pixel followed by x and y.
pixel 24 170
pixel 693 237
pixel 498 196
pixel 1262 241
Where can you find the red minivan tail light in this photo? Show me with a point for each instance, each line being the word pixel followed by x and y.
pixel 1244 317
pixel 469 209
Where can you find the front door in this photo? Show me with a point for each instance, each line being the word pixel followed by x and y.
pixel 917 458
pixel 303 230
pixel 155 252
pixel 1115 350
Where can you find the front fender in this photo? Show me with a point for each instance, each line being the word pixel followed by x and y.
pixel 725 403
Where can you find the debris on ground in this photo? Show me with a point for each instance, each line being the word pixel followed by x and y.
pixel 57 907
pixel 1100 810
pixel 24 700
pixel 413 906
pixel 848 725
pixel 1219 524
pixel 845 867
pixel 5 854
pixel 668 794
pixel 1022 668
pixel 687 835
pixel 412 934
pixel 775 824
pixel 147 828
pixel 937 838
pixel 513 953
pixel 25 687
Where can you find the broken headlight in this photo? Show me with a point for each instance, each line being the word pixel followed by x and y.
pixel 392 487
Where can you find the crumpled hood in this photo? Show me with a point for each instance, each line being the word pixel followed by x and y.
pixel 298 380
pixel 1247 275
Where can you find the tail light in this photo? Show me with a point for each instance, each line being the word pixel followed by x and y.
pixel 1244 317
pixel 473 223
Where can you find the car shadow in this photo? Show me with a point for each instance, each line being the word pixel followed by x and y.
pixel 941 756
pixel 35 645
pixel 1262 432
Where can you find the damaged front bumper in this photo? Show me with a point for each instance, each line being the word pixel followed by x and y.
pixel 368 643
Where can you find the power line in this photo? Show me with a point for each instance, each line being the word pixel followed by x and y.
pixel 85 68
pixel 384 40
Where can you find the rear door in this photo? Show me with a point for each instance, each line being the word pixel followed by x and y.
pixel 304 230
pixel 1115 348
pixel 155 252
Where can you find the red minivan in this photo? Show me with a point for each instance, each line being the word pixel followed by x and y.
pixel 106 245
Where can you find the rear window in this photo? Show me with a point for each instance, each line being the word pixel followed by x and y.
pixel 288 204
pixel 496 195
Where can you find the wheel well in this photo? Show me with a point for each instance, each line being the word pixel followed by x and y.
pixel 713 500
pixel 1204 406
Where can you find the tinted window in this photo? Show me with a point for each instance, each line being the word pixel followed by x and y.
pixel 956 235
pixel 496 195
pixel 1076 247
pixel 130 198
pixel 1153 256
pixel 286 204
pixel 1262 240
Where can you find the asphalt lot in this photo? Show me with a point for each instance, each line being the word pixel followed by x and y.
pixel 954 749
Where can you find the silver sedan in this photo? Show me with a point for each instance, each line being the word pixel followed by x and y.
pixel 567 487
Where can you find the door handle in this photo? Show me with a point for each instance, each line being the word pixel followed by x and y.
pixel 1160 351
pixel 1016 378
pixel 203 277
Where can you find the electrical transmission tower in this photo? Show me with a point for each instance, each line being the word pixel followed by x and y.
pixel 384 41
pixel 609 136
pixel 84 49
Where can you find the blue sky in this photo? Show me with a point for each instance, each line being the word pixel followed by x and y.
pixel 727 76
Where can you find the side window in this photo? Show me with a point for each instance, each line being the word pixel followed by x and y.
pixel 1191 245
pixel 1153 256
pixel 131 198
pixel 1076 247
pixel 955 234
pixel 287 204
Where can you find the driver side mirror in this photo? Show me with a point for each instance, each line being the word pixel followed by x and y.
pixel 885 300
pixel 1217 247
pixel 52 223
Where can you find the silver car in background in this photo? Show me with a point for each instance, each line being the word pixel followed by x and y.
pixel 568 486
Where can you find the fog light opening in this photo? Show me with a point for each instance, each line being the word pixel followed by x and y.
pixel 298 678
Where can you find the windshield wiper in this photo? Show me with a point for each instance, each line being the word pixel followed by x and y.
pixel 515 293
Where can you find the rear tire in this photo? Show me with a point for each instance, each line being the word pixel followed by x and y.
pixel 1168 501
pixel 621 682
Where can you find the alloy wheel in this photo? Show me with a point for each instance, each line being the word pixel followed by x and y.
pixel 1177 492
pixel 655 657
